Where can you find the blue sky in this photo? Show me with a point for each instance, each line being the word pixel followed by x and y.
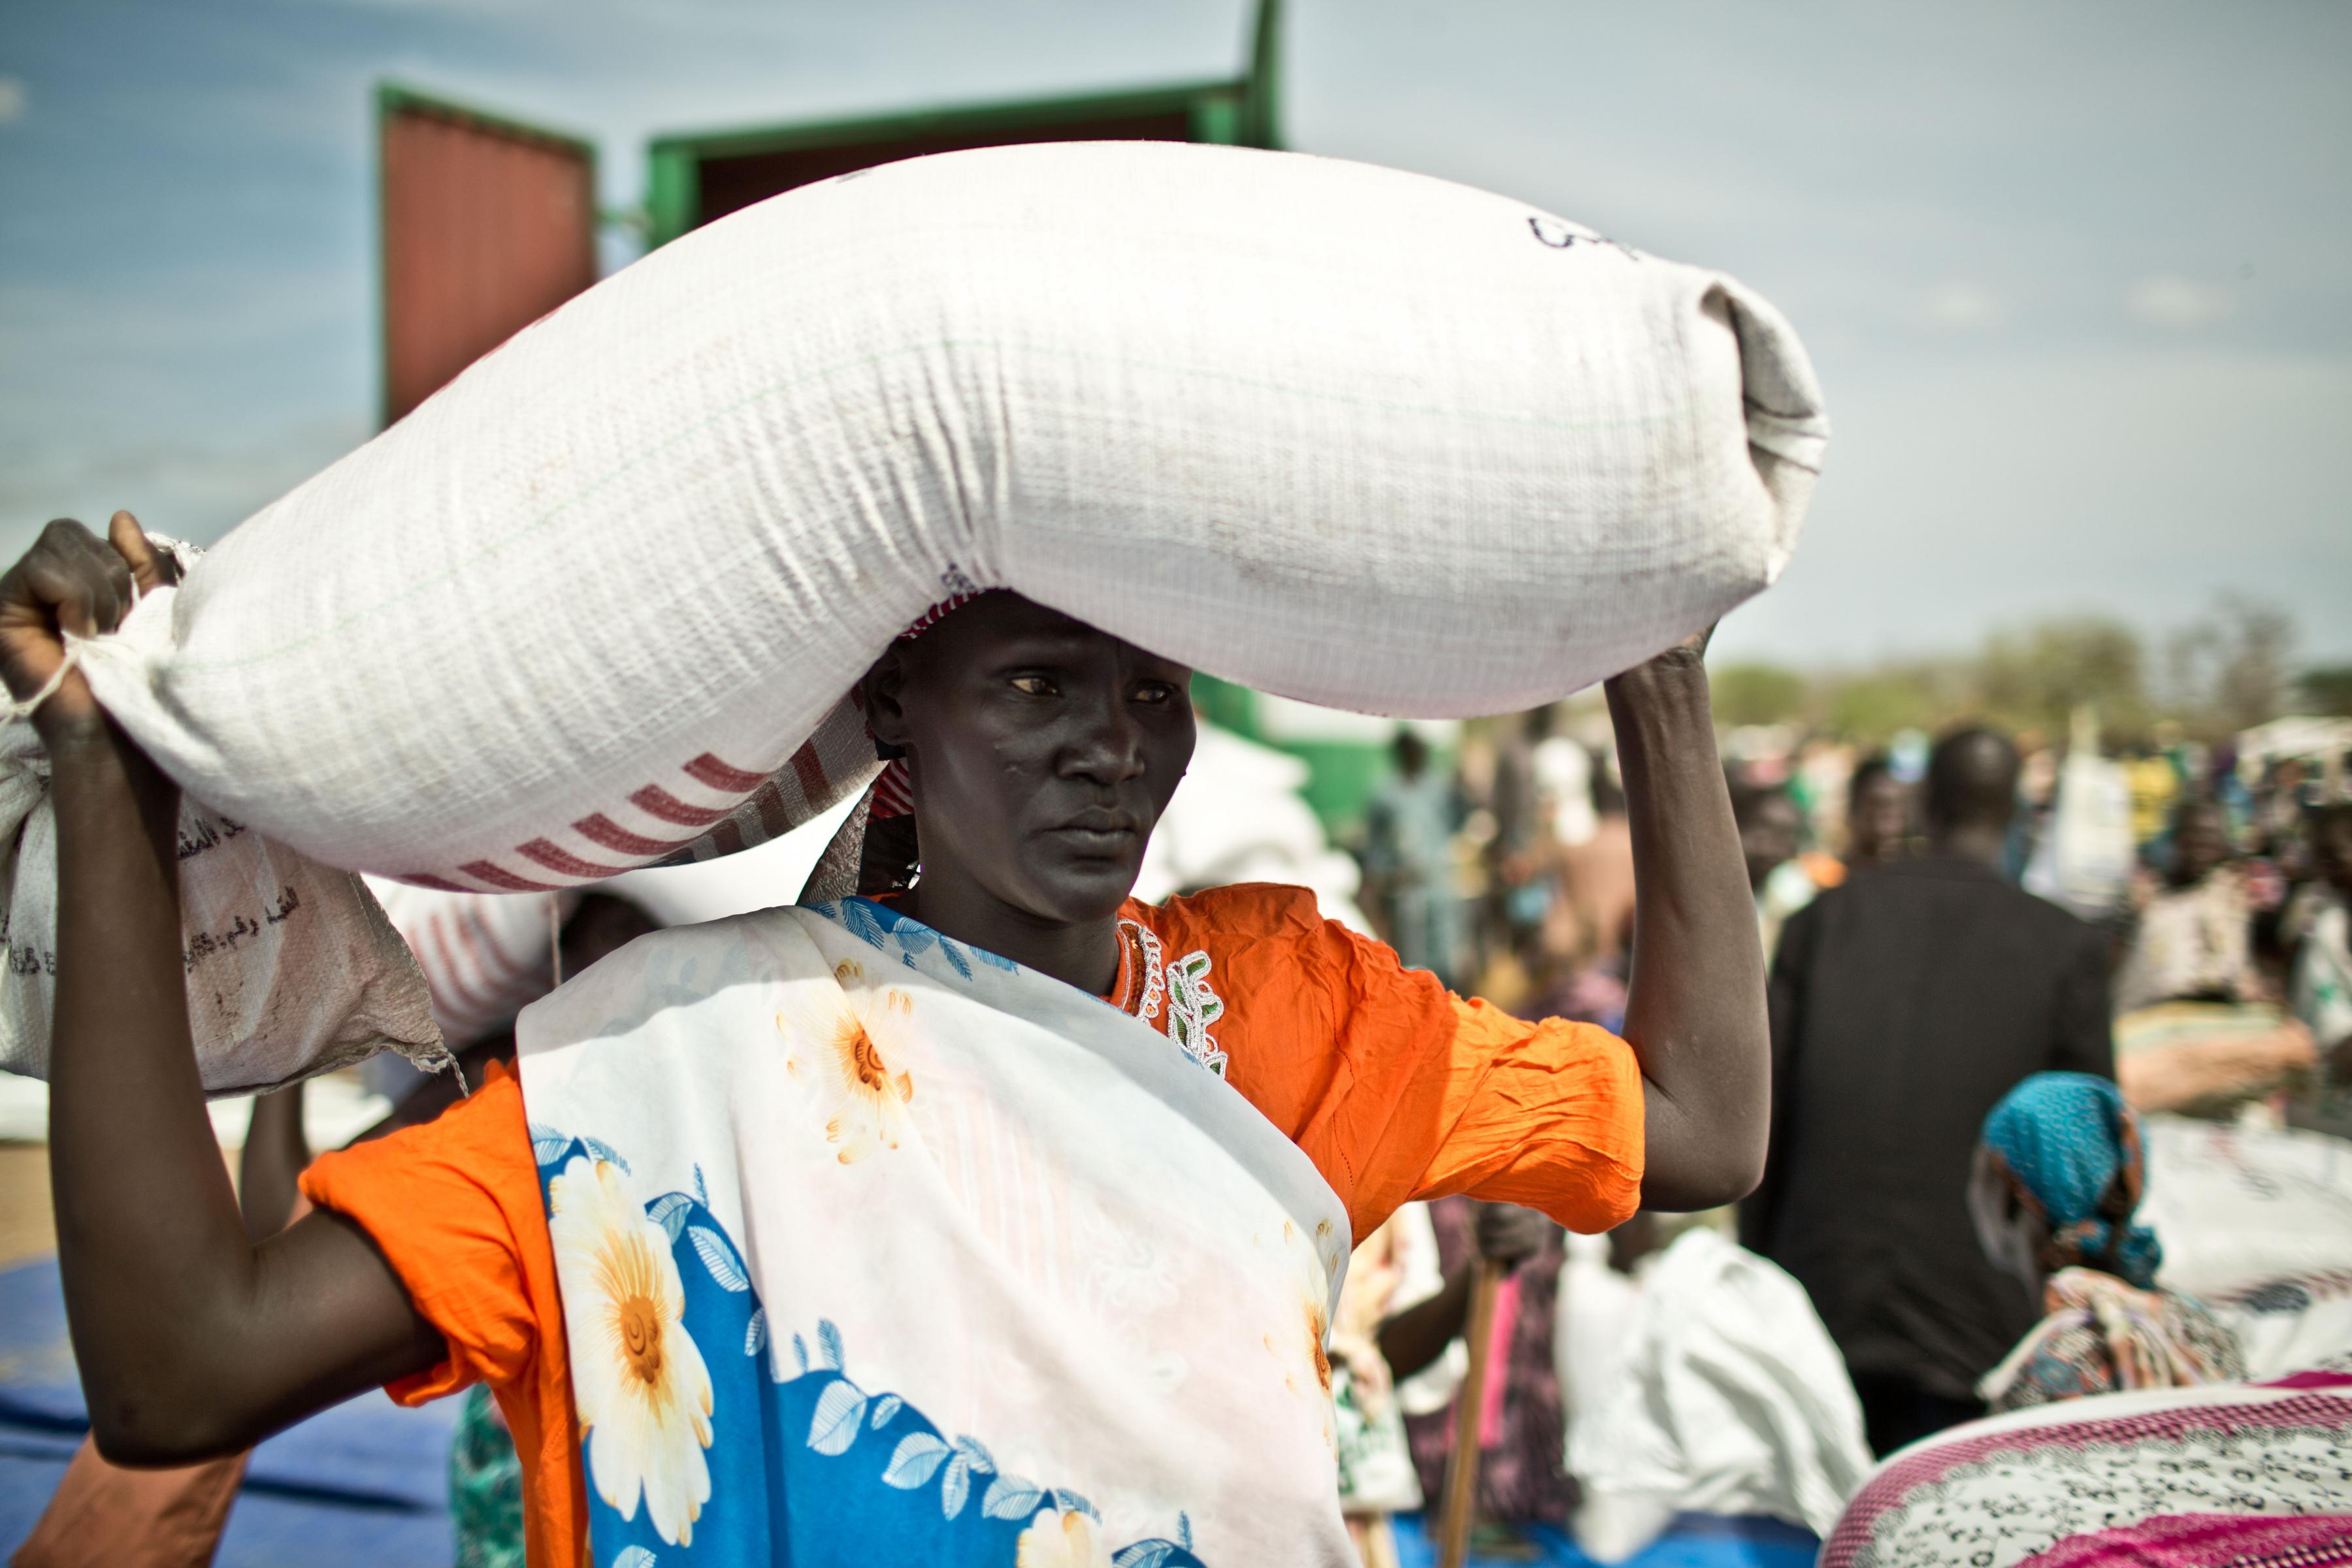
pixel 2074 276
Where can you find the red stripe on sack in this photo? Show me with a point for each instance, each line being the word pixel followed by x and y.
pixel 498 877
pixel 809 768
pixel 706 769
pixel 602 830
pixel 435 987
pixel 727 838
pixel 656 801
pixel 466 1004
pixel 479 937
pixel 555 857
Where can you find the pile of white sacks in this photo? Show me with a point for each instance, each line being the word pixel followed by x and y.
pixel 1352 436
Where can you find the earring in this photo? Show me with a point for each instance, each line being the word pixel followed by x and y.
pixel 884 751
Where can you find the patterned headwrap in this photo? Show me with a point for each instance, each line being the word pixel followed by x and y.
pixel 2071 1147
pixel 894 792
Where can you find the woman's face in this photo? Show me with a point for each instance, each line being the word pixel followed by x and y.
pixel 1043 751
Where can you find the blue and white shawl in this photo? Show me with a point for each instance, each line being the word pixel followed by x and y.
pixel 878 1248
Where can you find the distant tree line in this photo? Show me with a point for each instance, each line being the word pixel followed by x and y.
pixel 2227 671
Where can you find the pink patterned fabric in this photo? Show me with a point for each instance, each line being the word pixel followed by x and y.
pixel 2254 1475
pixel 2209 1541
pixel 2317 1377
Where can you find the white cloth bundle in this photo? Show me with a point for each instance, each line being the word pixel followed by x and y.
pixel 1357 436
pixel 1721 1393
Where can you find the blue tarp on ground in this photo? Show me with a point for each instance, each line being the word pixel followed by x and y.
pixel 1695 1540
pixel 361 1485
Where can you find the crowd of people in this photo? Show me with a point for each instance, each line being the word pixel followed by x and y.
pixel 1938 1031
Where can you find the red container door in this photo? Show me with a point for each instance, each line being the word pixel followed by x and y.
pixel 488 225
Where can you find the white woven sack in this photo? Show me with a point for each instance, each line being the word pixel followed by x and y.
pixel 483 959
pixel 1353 436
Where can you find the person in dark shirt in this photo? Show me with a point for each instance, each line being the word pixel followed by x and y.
pixel 1905 1004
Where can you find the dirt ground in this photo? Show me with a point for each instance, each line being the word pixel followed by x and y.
pixel 27 1229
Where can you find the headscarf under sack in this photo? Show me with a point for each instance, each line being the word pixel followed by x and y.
pixel 2071 1148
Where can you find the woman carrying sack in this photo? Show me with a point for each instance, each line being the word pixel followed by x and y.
pixel 998 1220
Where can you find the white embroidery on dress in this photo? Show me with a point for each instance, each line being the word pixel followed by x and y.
pixel 1192 1006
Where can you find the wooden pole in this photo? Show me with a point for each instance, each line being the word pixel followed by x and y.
pixel 1462 1466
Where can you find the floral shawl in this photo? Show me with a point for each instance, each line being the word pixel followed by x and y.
pixel 878 1248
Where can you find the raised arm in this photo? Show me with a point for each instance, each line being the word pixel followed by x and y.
pixel 1695 1014
pixel 192 1340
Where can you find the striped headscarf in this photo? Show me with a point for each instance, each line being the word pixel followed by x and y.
pixel 2071 1148
pixel 894 792
pixel 876 853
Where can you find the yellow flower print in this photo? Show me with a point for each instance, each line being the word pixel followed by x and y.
pixel 841 1045
pixel 1070 1539
pixel 643 1389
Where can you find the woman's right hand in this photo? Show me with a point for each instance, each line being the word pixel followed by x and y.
pixel 73 582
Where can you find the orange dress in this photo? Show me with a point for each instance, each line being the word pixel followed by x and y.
pixel 1394 1088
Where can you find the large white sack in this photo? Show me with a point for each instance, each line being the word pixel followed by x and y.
pixel 1353 436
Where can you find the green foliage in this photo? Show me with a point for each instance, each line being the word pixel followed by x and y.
pixel 2220 674
pixel 1870 709
pixel 2036 677
pixel 1758 693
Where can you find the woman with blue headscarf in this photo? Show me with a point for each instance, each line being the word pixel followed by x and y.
pixel 2059 1175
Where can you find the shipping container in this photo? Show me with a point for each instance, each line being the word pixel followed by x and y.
pixel 485 225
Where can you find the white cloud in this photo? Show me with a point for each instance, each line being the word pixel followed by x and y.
pixel 13 99
pixel 2171 300
pixel 1964 305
